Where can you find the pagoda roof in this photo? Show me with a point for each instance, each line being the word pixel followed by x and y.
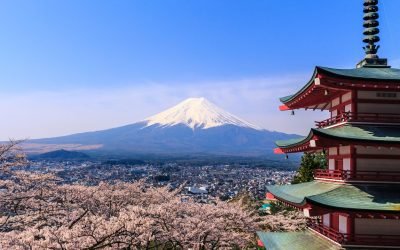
pixel 304 240
pixel 363 133
pixel 366 197
pixel 367 73
pixel 336 79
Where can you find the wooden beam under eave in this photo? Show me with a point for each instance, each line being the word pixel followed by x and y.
pixel 326 105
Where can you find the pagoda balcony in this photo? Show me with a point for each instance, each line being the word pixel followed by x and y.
pixel 326 231
pixel 359 117
pixel 347 175
pixel 354 239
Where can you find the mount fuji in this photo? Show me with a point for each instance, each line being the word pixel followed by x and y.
pixel 197 113
pixel 194 126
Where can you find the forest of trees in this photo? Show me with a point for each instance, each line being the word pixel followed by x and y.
pixel 37 212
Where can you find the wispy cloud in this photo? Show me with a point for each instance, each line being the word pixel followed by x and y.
pixel 47 114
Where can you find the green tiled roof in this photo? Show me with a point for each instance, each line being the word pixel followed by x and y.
pixel 383 75
pixel 373 197
pixel 361 197
pixel 296 193
pixel 293 142
pixel 363 132
pixel 356 132
pixel 305 240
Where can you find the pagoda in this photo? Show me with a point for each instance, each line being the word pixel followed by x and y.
pixel 354 203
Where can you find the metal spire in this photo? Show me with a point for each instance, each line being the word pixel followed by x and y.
pixel 371 29
pixel 371 36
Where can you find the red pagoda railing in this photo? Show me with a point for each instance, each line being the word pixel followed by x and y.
pixel 355 239
pixel 327 231
pixel 330 174
pixel 347 175
pixel 359 117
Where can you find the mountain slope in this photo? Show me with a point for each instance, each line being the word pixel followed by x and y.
pixel 195 126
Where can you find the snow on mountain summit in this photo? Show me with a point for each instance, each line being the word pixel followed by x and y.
pixel 196 113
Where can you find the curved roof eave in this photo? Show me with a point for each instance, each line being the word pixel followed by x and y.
pixel 358 133
pixel 288 98
pixel 295 142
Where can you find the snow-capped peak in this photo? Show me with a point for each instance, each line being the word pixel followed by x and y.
pixel 197 113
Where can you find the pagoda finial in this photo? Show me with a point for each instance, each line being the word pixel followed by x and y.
pixel 371 36
pixel 371 29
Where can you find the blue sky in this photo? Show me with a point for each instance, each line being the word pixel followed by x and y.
pixel 72 66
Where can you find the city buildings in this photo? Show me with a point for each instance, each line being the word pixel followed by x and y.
pixel 207 182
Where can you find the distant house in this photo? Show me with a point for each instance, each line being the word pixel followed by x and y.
pixel 195 190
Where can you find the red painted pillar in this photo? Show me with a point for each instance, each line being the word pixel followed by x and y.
pixel 354 103
pixel 350 227
pixel 335 221
pixel 353 161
